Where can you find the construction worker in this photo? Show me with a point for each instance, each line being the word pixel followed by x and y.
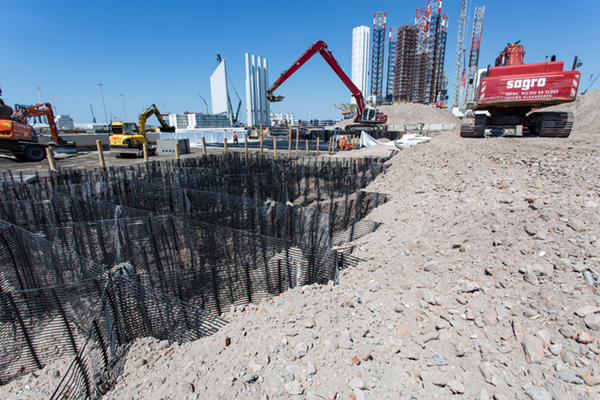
pixel 235 138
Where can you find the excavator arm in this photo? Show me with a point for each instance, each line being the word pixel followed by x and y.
pixel 318 47
pixel 23 113
pixel 147 113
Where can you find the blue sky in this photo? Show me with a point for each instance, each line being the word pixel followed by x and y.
pixel 164 52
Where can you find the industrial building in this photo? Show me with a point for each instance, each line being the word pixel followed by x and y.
pixel 191 120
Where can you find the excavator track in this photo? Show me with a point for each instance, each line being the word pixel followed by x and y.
pixel 550 124
pixel 473 127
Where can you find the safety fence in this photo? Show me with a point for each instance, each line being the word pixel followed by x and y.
pixel 91 260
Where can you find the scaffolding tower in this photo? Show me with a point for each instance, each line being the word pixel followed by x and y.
pixel 474 55
pixel 438 59
pixel 406 63
pixel 460 50
pixel 391 69
pixel 431 49
pixel 378 53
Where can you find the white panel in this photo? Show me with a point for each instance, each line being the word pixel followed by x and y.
pixel 255 106
pixel 263 94
pixel 249 115
pixel 218 90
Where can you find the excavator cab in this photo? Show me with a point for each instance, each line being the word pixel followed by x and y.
pixel 126 139
pixel 371 115
pixel 123 128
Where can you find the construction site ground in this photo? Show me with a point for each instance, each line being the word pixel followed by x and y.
pixel 474 287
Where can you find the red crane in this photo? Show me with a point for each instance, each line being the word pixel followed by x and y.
pixel 366 115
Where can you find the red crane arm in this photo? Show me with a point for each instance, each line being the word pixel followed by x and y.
pixel 25 112
pixel 319 47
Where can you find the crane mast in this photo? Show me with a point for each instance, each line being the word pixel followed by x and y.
pixel 474 56
pixel 460 48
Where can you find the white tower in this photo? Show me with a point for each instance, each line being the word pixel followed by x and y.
pixel 360 58
pixel 218 91
pixel 257 81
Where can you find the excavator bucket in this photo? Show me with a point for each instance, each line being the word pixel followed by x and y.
pixel 274 99
pixel 68 148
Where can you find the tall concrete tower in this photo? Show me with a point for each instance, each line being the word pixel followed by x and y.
pixel 360 58
pixel 257 106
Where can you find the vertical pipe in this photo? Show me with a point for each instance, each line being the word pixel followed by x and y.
pixel 249 92
pixel 317 146
pixel 203 146
pixel 274 148
pixel 263 93
pixel 255 90
pixel 100 154
pixel 306 146
pixel 297 139
pixel 246 145
pixel 177 149
pixel 225 145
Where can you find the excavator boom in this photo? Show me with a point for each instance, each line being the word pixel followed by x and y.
pixel 23 113
pixel 318 47
pixel 147 113
pixel 366 116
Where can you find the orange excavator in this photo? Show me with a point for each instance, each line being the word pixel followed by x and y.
pixel 20 139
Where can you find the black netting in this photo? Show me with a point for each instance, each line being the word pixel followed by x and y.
pixel 91 260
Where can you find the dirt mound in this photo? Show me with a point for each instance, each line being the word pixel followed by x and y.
pixel 586 109
pixel 410 113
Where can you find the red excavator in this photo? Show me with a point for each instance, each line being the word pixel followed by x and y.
pixel 511 94
pixel 366 116
pixel 20 139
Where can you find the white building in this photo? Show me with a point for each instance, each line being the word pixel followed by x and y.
pixel 258 110
pixel 282 118
pixel 64 122
pixel 360 58
pixel 193 120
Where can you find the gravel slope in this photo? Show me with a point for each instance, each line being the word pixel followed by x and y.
pixel 474 288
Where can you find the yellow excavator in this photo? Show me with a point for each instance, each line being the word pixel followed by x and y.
pixel 127 139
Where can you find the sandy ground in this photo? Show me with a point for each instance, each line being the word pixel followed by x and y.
pixel 473 288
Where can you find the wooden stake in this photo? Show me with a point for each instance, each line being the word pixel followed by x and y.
pixel 51 159
pixel 225 145
pixel 177 149
pixel 290 143
pixel 306 146
pixel 100 154
pixel 145 147
pixel 203 147
pixel 317 146
pixel 297 139
pixel 274 148
pixel 246 145
pixel 261 139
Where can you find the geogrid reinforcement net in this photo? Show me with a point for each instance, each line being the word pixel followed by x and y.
pixel 92 260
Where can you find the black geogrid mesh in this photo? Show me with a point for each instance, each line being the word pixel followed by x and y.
pixel 340 217
pixel 110 256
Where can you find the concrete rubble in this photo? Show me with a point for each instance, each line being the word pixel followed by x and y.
pixel 473 288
